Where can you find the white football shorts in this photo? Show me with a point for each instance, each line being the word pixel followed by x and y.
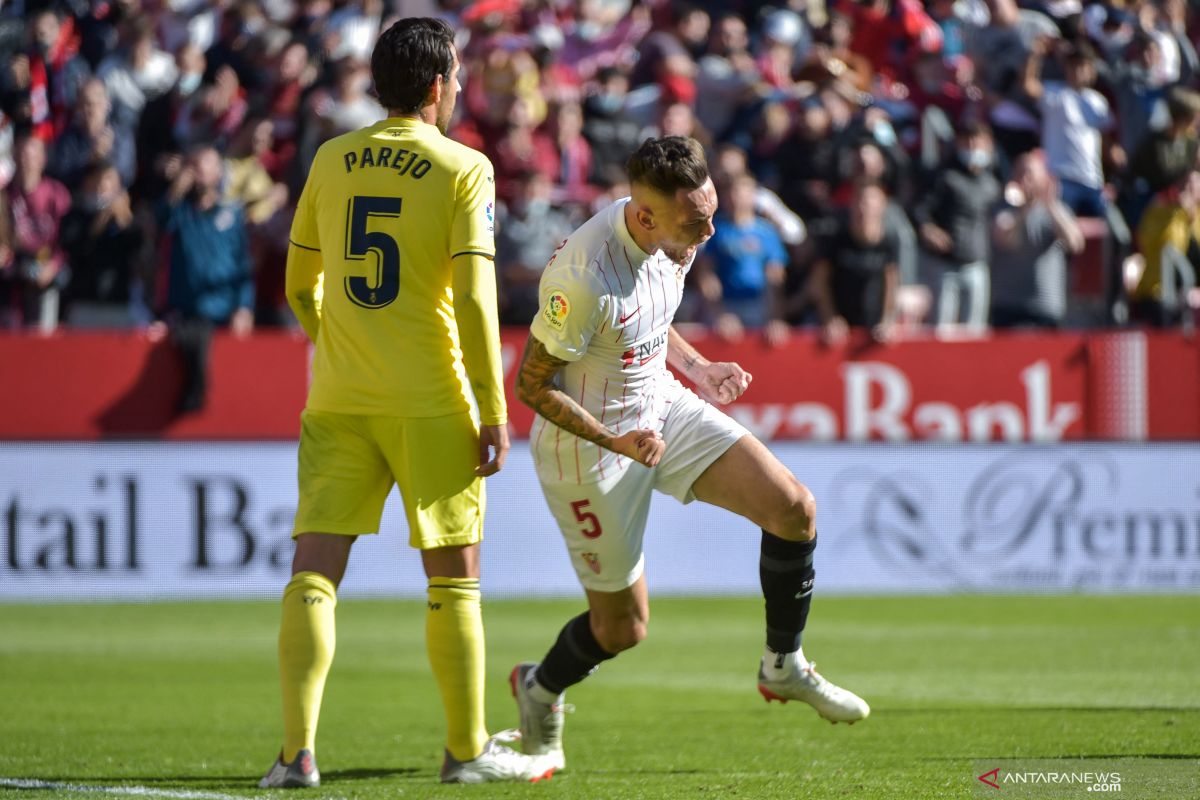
pixel 603 523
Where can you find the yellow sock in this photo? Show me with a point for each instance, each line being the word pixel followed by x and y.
pixel 454 641
pixel 306 641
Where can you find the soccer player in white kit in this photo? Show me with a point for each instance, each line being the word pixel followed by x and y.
pixel 614 424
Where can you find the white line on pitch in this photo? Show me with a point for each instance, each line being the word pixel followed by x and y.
pixel 132 791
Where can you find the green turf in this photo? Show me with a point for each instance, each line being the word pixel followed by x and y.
pixel 183 697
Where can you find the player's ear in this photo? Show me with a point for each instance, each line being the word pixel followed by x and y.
pixel 435 90
pixel 645 218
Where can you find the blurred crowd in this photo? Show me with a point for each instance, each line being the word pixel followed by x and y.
pixel 884 164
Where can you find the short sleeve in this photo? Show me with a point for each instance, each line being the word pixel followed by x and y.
pixel 1051 95
pixel 775 251
pixel 474 226
pixel 571 309
pixel 305 234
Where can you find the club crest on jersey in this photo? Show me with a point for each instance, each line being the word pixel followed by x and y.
pixel 593 561
pixel 556 311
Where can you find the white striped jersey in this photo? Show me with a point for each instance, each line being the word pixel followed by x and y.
pixel 606 307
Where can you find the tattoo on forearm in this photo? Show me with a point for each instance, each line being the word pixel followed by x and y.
pixel 535 388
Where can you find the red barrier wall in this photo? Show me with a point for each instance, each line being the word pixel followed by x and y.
pixel 1019 387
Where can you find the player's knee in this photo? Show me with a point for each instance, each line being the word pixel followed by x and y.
pixel 796 520
pixel 621 634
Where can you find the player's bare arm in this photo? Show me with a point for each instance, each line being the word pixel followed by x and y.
pixel 536 389
pixel 719 382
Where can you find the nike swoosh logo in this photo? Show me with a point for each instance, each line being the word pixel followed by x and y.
pixel 624 319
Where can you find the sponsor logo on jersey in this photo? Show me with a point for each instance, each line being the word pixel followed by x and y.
pixel 643 353
pixel 556 311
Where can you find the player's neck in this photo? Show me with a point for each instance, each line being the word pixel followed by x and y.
pixel 428 114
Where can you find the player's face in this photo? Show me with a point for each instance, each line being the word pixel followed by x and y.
pixel 687 222
pixel 445 108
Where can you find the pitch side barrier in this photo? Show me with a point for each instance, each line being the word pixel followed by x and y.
pixel 1018 387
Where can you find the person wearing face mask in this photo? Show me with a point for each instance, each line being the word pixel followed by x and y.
pixel 100 236
pixel 953 216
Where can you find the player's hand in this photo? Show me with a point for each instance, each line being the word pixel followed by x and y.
pixel 722 382
pixel 644 446
pixel 493 449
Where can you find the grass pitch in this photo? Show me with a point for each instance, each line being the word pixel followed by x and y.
pixel 182 699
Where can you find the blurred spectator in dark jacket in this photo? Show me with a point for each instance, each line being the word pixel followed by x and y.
pixel 954 221
pixel 37 203
pixel 610 130
pixel 808 164
pixel 212 114
pixel 854 279
pixel 673 51
pixel 1168 155
pixel 209 280
pixel 528 230
pixel 575 155
pixel 94 136
pixel 102 241
pixel 1033 235
pixel 741 269
pixel 727 80
pixel 156 128
pixel 521 149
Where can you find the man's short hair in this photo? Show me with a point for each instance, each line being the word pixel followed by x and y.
pixel 668 164
pixel 408 58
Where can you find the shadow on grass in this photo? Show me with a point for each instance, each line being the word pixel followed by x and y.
pixel 226 781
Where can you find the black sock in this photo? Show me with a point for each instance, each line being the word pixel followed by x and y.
pixel 573 657
pixel 785 569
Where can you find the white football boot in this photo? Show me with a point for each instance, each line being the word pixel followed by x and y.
pixel 541 723
pixel 832 702
pixel 302 773
pixel 496 763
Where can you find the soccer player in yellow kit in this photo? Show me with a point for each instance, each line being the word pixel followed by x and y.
pixel 390 272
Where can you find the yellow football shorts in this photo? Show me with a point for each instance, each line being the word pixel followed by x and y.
pixel 348 463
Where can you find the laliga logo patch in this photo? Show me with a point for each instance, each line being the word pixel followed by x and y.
pixel 490 211
pixel 556 311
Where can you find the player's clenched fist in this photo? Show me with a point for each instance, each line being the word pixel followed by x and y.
pixel 644 446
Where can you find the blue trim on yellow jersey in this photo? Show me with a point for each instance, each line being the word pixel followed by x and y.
pixel 304 246
pixel 475 253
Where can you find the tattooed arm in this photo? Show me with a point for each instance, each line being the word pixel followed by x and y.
pixel 717 381
pixel 536 389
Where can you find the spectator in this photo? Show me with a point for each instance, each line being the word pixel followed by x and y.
pixel 38 204
pixel 727 79
pixel 575 155
pixel 101 241
pixel 742 268
pixel 528 231
pixel 209 277
pixel 343 108
pixel 138 73
pixel 523 148
pixel 954 216
pixel 854 279
pixel 1167 156
pixel 610 130
pixel 94 136
pixel 674 51
pixel 213 114
pixel 1075 120
pixel 808 164
pixel 54 72
pixel 1032 236
pixel 1172 219
pixel 156 138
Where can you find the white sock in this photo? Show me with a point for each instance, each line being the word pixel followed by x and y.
pixel 779 665
pixel 540 693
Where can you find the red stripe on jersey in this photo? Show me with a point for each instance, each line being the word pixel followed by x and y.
pixel 621 416
pixel 537 443
pixel 557 457
pixel 600 266
pixel 616 272
pixel 653 306
pixel 636 294
pixel 582 392
pixel 603 411
pixel 667 313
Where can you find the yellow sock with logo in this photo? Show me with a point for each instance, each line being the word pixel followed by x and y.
pixel 306 642
pixel 454 642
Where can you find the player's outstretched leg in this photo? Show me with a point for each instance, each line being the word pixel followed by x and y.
pixel 787 576
pixel 749 481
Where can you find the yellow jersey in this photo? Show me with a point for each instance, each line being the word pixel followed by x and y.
pixel 389 207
